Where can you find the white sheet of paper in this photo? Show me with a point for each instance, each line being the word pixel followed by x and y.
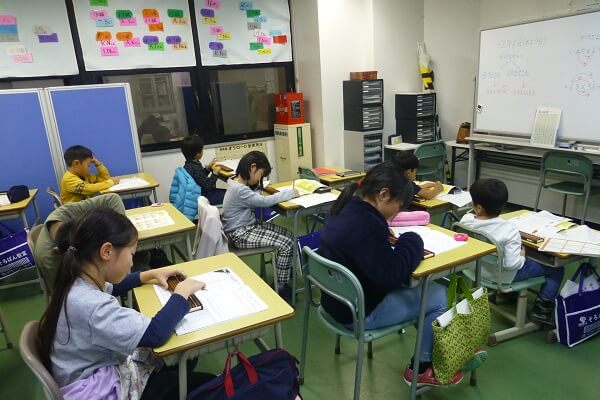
pixel 460 199
pixel 462 307
pixel 129 183
pixel 151 220
pixel 4 201
pixel 226 297
pixel 311 200
pixel 433 240
pixel 541 223
pixel 580 233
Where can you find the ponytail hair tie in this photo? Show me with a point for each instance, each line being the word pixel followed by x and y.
pixel 360 183
pixel 72 249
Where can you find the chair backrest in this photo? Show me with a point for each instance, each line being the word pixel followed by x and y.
pixel 338 282
pixel 495 259
pixel 31 356
pixel 32 238
pixel 567 163
pixel 55 197
pixel 432 155
pixel 307 173
pixel 208 216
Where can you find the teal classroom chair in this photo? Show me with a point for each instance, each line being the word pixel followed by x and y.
pixel 337 281
pixel 521 326
pixel 573 165
pixel 55 197
pixel 432 159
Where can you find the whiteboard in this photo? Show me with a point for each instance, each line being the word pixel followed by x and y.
pixel 551 63
pixel 35 41
pixel 130 34
pixel 243 32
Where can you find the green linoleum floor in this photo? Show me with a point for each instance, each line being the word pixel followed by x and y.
pixel 523 368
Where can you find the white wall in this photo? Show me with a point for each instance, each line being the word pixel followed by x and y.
pixel 346 44
pixel 397 27
pixel 307 60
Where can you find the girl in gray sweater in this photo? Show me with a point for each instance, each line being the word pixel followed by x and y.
pixel 243 195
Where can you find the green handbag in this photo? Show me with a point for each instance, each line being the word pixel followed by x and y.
pixel 456 343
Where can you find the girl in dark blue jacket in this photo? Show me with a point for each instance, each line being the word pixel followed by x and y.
pixel 356 235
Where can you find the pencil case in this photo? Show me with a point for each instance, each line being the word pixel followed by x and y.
pixel 410 218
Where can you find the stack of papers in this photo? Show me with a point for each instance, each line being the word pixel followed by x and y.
pixel 129 183
pixel 434 241
pixel 225 297
pixel 543 223
pixel 151 220
pixel 304 186
pixel 4 201
pixel 459 199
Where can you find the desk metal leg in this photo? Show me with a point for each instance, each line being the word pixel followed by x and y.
pixel 452 165
pixel 24 219
pixel 294 264
pixel 471 170
pixel 278 337
pixel 183 374
pixel 418 344
pixel 188 246
pixel 37 212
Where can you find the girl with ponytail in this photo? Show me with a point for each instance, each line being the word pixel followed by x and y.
pixel 86 339
pixel 356 235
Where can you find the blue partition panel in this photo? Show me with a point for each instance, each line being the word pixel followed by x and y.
pixel 26 157
pixel 98 118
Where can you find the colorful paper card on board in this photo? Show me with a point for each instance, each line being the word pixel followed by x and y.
pixel 52 38
pixel 175 13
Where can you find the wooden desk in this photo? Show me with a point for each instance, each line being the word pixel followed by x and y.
pixel 291 210
pixel 142 191
pixel 179 349
pixel 167 235
pixel 16 210
pixel 339 181
pixel 437 267
pixel 532 249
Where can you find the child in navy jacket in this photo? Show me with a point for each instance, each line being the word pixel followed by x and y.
pixel 356 235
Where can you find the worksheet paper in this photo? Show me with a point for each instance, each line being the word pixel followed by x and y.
pixel 434 241
pixel 225 297
pixel 542 223
pixel 151 220
pixel 4 201
pixel 460 199
pixel 311 200
pixel 565 246
pixel 129 183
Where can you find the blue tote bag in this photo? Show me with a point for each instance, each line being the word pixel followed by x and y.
pixel 578 315
pixel 15 254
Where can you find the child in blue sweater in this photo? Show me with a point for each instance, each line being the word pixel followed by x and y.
pixel 356 235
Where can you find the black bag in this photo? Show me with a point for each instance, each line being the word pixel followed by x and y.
pixel 17 193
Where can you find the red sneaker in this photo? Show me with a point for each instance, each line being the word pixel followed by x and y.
pixel 428 378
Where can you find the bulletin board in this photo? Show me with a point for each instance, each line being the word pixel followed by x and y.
pixel 131 34
pixel 35 41
pixel 26 152
pixel 243 32
pixel 99 117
